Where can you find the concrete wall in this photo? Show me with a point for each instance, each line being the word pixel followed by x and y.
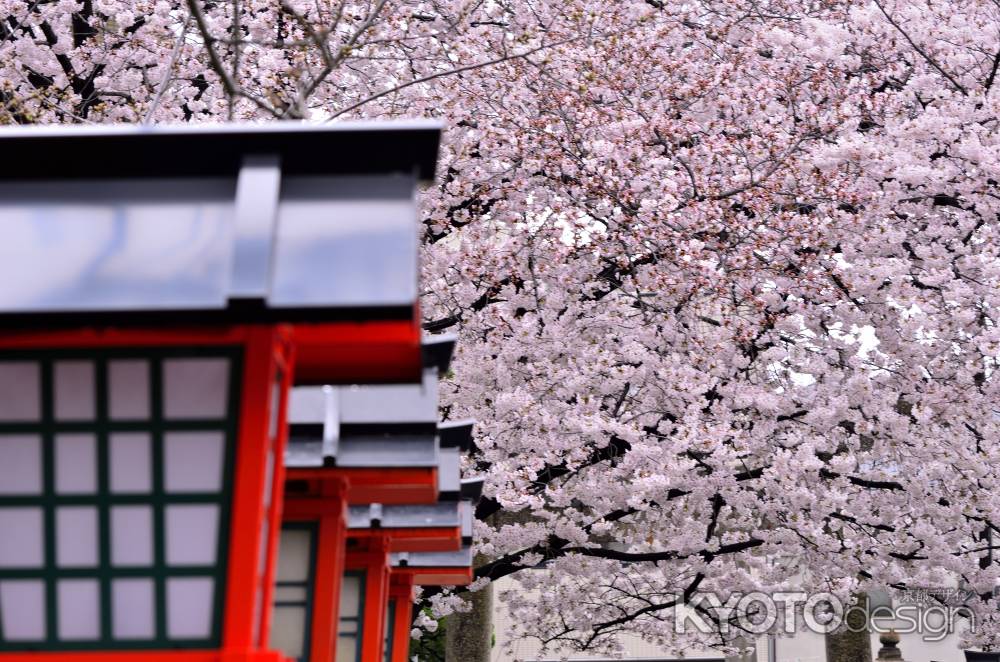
pixel 801 647
pixel 528 650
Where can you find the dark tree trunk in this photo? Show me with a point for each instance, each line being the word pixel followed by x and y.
pixel 469 635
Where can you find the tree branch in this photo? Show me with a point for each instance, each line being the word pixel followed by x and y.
pixel 230 86
pixel 450 72
pixel 958 86
pixel 168 73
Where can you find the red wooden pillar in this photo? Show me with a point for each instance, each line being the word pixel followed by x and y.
pixel 376 600
pixel 249 564
pixel 274 488
pixel 402 593
pixel 330 550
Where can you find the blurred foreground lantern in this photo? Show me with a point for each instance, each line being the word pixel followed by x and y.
pixel 162 291
pixel 370 473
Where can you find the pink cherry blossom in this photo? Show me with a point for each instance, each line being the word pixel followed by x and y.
pixel 726 273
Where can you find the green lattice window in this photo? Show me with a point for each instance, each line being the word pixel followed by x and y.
pixel 115 482
pixel 352 613
pixel 390 625
pixel 293 590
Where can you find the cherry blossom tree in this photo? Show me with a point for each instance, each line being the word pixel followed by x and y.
pixel 726 272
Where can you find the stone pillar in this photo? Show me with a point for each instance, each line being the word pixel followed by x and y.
pixel 852 642
pixel 890 648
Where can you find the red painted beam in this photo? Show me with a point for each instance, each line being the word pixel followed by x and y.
pixel 115 337
pixel 437 576
pixel 145 656
pixel 392 486
pixel 387 486
pixel 414 540
pixel 364 352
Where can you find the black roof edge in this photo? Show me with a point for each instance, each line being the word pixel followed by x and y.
pixel 238 312
pixel 449 495
pixel 185 150
pixel 437 351
pixel 387 429
pixel 472 489
pixel 308 432
pixel 456 434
